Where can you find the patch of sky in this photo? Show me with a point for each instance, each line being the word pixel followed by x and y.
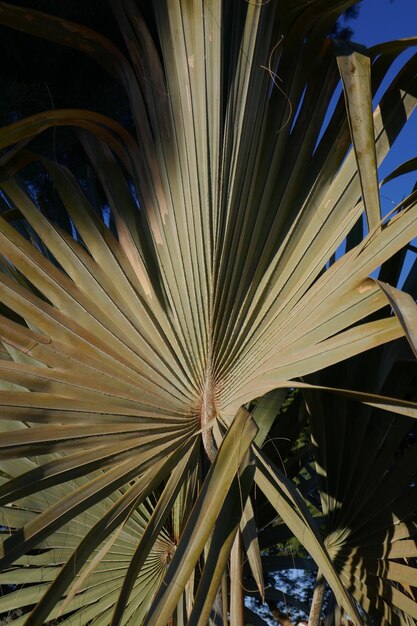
pixel 106 215
pixel 297 113
pixel 289 586
pixel 331 109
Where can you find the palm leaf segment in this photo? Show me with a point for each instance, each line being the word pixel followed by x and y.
pixel 120 351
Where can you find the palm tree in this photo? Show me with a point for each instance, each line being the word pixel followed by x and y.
pixel 143 369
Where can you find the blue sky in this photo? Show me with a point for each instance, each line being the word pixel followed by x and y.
pixel 383 20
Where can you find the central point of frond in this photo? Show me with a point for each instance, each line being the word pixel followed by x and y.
pixel 208 406
pixel 208 412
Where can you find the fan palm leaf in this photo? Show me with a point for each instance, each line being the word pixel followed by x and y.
pixel 368 496
pixel 122 350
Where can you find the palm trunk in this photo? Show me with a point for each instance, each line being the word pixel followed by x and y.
pixel 317 602
pixel 236 586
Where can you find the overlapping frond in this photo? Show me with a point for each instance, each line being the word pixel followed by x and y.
pixel 367 490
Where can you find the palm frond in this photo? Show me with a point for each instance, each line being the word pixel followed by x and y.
pixel 135 356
